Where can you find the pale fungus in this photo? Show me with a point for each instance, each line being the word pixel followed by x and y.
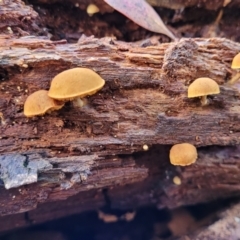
pixel 92 9
pixel 235 66
pixel 145 147
pixel 128 217
pixel 183 154
pixel 40 103
pixel 202 87
pixel 107 218
pixel 177 180
pixel 74 84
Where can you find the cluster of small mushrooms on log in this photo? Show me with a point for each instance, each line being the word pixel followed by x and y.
pixel 72 84
pixel 77 83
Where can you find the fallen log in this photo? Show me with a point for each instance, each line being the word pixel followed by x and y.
pixel 78 151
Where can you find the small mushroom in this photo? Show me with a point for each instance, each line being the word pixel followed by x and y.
pixel 201 87
pixel 235 66
pixel 92 9
pixel 177 180
pixel 183 154
pixel 74 84
pixel 107 218
pixel 145 147
pixel 40 103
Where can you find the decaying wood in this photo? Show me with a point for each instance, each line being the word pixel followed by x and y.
pixel 17 14
pixel 143 102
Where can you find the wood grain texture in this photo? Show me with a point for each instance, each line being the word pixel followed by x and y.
pixel 143 102
pixel 16 13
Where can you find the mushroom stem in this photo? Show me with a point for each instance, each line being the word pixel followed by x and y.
pixel 204 100
pixel 77 102
pixel 235 78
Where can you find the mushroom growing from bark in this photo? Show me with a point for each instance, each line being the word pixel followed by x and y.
pixel 235 66
pixel 92 9
pixel 74 84
pixel 177 180
pixel 201 87
pixel 40 103
pixel 145 147
pixel 183 154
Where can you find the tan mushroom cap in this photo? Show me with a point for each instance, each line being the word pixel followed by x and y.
pixel 91 9
pixel 202 87
pixel 39 103
pixel 236 62
pixel 183 154
pixel 74 83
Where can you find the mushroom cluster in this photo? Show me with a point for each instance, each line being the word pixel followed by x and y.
pixel 77 83
pixel 185 154
pixel 72 84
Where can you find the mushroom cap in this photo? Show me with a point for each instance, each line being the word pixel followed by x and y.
pixel 39 103
pixel 183 154
pixel 74 83
pixel 202 87
pixel 92 8
pixel 236 62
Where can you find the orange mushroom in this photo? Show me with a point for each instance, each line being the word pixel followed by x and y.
pixel 40 103
pixel 201 87
pixel 92 9
pixel 75 83
pixel 236 66
pixel 183 154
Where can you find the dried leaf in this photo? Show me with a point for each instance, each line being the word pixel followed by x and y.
pixel 226 2
pixel 140 12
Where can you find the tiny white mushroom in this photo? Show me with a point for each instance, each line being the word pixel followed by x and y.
pixel 177 180
pixel 145 147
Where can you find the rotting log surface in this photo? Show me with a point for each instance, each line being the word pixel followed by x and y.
pixel 16 13
pixel 143 102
